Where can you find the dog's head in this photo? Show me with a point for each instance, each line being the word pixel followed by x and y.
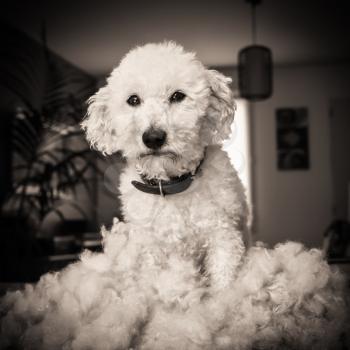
pixel 161 107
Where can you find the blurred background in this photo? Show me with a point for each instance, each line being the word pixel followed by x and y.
pixel 291 144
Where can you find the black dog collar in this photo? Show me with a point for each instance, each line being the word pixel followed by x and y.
pixel 172 186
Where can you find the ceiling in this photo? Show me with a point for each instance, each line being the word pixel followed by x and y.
pixel 96 34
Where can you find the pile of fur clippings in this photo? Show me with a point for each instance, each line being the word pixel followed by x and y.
pixel 141 294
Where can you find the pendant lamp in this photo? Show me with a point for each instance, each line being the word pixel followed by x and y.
pixel 255 66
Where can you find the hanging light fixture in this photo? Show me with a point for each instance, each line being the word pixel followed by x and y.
pixel 255 66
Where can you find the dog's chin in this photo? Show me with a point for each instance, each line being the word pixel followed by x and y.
pixel 161 165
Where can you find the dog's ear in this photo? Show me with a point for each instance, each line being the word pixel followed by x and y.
pixel 221 109
pixel 97 121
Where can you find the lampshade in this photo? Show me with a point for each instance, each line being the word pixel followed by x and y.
pixel 255 72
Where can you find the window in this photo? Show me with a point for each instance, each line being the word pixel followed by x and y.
pixel 238 146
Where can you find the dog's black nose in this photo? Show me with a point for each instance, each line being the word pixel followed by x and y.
pixel 154 138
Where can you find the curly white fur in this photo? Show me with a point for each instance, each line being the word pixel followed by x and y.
pixel 176 275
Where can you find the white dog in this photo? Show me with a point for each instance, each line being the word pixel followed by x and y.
pixel 168 114
pixel 175 274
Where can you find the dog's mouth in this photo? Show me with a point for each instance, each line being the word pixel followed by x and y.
pixel 169 154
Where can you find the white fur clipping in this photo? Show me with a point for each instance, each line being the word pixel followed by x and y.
pixel 139 293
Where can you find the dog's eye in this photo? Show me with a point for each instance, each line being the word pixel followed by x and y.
pixel 133 100
pixel 177 96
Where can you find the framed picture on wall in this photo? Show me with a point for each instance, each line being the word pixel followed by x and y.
pixel 292 134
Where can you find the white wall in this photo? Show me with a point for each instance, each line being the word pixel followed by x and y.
pixel 296 205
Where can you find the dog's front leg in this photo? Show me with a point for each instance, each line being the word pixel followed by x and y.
pixel 224 255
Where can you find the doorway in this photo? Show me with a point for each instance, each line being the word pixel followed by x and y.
pixel 339 125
